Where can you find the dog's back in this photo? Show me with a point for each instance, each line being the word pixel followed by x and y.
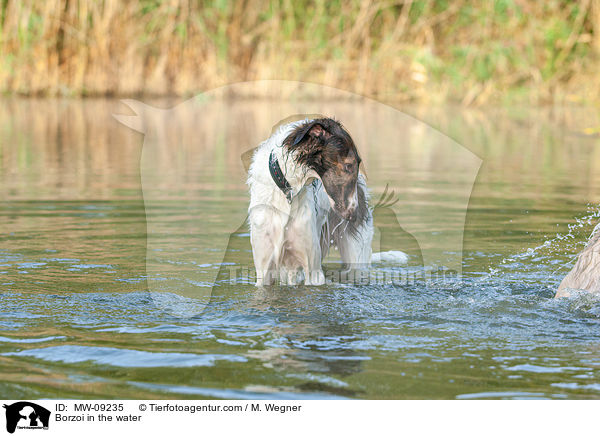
pixel 585 275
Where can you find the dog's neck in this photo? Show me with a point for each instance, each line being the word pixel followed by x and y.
pixel 279 178
pixel 297 176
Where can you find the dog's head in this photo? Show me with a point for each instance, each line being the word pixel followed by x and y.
pixel 324 146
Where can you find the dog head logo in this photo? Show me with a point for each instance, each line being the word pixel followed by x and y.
pixel 26 415
pixel 196 198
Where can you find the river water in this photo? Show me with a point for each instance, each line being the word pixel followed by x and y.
pixel 107 233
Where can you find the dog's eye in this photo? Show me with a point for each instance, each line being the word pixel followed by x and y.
pixel 348 168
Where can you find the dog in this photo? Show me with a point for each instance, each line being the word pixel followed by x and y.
pixel 307 194
pixel 585 275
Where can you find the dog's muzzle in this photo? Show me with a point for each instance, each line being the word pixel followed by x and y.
pixel 348 209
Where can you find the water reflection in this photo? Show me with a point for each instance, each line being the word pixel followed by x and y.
pixel 74 278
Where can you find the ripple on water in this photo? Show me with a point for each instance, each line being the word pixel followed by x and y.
pixel 123 357
pixel 30 340
pixel 266 393
pixel 526 367
pixel 591 386
pixel 508 395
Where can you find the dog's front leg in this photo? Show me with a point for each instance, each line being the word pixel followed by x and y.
pixel 264 262
pixel 314 274
pixel 304 252
pixel 266 236
pixel 311 262
pixel 355 250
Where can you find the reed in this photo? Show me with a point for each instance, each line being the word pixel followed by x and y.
pixel 393 50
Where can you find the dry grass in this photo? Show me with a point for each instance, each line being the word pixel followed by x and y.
pixel 404 50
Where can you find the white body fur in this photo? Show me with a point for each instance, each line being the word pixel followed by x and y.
pixel 289 242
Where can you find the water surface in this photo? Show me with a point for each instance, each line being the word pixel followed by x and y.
pixel 83 315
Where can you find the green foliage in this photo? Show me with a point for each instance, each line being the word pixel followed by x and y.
pixel 498 44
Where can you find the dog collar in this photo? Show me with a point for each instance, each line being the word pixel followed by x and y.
pixel 279 178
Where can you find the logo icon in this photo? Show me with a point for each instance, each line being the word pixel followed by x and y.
pixel 26 415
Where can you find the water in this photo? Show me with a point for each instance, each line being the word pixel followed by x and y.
pixel 91 265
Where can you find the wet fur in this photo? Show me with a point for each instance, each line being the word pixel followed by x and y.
pixel 314 154
pixel 320 161
pixel 585 275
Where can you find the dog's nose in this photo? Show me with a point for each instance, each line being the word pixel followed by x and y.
pixel 351 206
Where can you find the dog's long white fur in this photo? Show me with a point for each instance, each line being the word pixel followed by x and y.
pixel 287 239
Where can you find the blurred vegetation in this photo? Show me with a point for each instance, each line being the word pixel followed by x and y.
pixel 473 52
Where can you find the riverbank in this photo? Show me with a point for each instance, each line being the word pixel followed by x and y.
pixel 398 51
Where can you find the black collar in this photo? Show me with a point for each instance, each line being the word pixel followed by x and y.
pixel 279 178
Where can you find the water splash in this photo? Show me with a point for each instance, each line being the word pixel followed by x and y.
pixel 553 250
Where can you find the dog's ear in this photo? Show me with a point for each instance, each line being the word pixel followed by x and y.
pixel 315 129
pixel 294 118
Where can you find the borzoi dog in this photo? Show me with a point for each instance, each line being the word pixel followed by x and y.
pixel 307 194
pixel 585 275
